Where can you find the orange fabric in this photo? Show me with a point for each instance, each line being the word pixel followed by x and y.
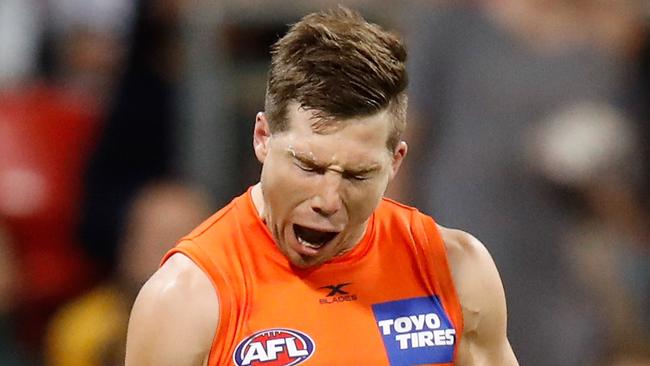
pixel 400 258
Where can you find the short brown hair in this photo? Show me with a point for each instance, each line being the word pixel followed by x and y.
pixel 339 65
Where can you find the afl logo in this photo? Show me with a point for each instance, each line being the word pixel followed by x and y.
pixel 274 347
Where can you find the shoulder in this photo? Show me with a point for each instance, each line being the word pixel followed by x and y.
pixel 475 277
pixel 387 203
pixel 178 302
pixel 392 211
pixel 463 248
pixel 218 221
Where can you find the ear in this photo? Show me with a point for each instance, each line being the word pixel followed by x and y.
pixel 398 156
pixel 261 136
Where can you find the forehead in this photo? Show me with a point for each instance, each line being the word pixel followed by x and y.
pixel 368 128
pixel 358 139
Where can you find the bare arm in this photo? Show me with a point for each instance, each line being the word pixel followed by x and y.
pixel 484 340
pixel 174 317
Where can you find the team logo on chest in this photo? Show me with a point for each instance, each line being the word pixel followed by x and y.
pixel 274 347
pixel 415 331
pixel 336 294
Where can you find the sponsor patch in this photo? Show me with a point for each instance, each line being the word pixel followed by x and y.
pixel 274 347
pixel 415 331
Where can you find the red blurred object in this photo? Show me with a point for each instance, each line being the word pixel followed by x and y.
pixel 45 137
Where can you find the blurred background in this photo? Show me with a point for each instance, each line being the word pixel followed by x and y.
pixel 124 124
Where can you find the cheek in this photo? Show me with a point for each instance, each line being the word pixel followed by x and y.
pixel 283 185
pixel 282 176
pixel 363 200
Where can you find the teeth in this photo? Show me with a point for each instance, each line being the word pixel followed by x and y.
pixel 307 244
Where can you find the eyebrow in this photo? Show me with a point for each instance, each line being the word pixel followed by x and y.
pixel 306 159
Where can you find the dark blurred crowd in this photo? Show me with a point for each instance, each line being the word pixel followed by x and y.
pixel 124 124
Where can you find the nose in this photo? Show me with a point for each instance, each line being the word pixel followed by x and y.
pixel 327 200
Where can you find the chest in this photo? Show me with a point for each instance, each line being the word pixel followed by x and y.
pixel 378 316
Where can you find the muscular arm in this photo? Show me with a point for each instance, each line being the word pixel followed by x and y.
pixel 174 317
pixel 484 340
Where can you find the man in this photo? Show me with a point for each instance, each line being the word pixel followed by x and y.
pixel 312 265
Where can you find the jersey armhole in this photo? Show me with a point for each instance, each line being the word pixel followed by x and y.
pixel 196 254
pixel 438 270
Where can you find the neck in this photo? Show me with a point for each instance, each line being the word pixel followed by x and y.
pixel 258 199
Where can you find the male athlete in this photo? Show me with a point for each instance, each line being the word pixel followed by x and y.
pixel 311 265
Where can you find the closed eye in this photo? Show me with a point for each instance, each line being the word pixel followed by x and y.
pixel 308 168
pixel 355 177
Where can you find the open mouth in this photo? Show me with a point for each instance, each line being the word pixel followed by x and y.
pixel 313 238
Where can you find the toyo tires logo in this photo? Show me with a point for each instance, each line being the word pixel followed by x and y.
pixel 416 331
pixel 274 347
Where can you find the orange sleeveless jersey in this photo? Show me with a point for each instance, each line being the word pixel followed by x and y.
pixel 389 301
